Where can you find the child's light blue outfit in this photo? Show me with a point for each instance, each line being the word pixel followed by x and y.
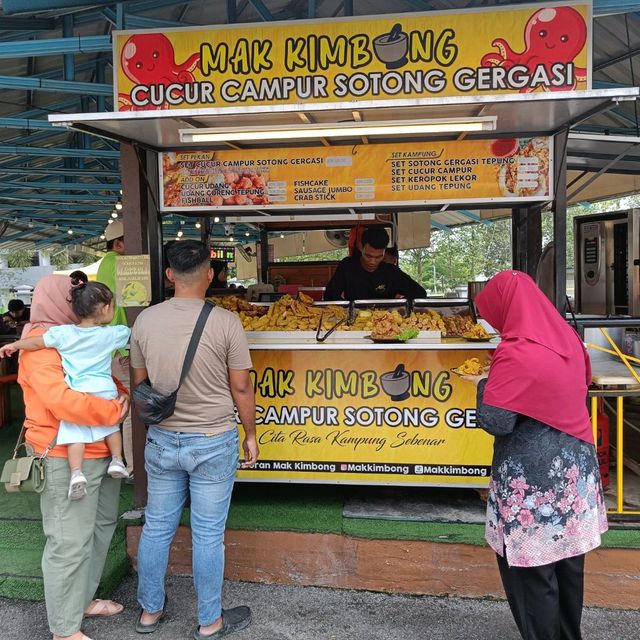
pixel 86 354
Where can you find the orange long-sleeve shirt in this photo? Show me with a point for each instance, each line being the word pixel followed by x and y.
pixel 48 400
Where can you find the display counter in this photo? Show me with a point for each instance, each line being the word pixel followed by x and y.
pixel 350 411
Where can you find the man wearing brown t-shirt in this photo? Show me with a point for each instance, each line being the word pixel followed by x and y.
pixel 194 452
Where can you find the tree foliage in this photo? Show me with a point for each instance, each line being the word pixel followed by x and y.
pixel 457 256
pixel 20 258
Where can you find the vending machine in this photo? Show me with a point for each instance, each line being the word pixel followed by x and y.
pixel 607 263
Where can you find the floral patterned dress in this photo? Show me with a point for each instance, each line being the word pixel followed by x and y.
pixel 545 496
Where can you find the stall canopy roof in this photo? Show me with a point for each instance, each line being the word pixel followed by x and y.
pixel 522 114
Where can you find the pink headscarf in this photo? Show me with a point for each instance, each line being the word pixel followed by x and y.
pixel 50 305
pixel 541 368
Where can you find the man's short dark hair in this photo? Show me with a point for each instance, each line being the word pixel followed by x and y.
pixel 187 256
pixel 375 237
pixel 165 257
pixel 111 243
pixel 15 305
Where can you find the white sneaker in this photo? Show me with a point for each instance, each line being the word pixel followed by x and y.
pixel 117 469
pixel 77 486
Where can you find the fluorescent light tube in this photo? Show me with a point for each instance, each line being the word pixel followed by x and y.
pixel 340 130
pixel 300 218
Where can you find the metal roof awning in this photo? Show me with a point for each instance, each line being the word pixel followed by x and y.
pixel 517 115
pixel 592 152
pixel 602 166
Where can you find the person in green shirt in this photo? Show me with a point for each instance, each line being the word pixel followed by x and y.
pixel 114 235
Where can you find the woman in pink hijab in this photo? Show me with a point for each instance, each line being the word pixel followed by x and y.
pixel 78 533
pixel 545 508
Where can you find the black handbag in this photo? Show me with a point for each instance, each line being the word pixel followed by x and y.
pixel 152 406
pixel 25 474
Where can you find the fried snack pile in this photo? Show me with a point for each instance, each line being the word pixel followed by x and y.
pixel 363 321
pixel 239 305
pixel 300 314
pixel 290 314
pixel 386 324
pixel 470 367
pixel 427 320
pixel 457 325
pixel 476 331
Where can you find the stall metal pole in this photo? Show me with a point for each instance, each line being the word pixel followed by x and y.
pixel 135 199
pixel 205 230
pixel 620 453
pixel 264 256
pixel 560 220
pixel 527 239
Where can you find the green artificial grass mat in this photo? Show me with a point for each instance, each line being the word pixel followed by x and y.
pixel 268 507
pixel 18 588
pixel 453 533
pixel 621 539
pixel 21 546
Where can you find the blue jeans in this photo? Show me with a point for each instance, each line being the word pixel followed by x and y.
pixel 205 467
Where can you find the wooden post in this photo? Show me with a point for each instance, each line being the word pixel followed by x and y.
pixel 141 236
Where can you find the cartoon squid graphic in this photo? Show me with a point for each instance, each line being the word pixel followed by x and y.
pixel 149 59
pixel 551 36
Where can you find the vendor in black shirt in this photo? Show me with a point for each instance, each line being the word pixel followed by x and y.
pixel 366 276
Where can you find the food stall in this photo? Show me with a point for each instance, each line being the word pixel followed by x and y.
pixel 343 396
pixel 398 115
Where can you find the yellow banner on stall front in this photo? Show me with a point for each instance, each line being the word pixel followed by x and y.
pixel 456 171
pixel 375 416
pixel 537 47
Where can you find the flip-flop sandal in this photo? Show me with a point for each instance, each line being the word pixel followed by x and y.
pixel 103 609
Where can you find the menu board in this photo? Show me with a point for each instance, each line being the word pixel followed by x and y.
pixel 452 172
pixel 482 51
pixel 133 281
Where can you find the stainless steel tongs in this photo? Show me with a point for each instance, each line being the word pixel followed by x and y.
pixel 349 320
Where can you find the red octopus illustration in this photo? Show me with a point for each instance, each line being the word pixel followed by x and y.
pixel 551 36
pixel 149 59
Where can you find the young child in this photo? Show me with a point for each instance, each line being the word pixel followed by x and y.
pixel 86 351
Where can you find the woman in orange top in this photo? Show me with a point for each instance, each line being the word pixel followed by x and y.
pixel 78 533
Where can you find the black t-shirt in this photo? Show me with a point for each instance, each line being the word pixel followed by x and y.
pixel 352 282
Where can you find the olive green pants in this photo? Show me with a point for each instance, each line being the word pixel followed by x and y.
pixel 78 535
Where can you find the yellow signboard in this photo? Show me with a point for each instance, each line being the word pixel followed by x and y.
pixel 456 171
pixel 380 416
pixel 537 47
pixel 133 281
